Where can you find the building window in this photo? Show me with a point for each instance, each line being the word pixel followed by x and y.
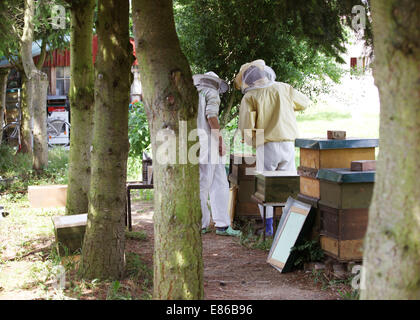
pixel 62 81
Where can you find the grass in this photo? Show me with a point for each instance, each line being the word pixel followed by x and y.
pixel 136 235
pixel 250 240
pixel 18 169
pixel 29 264
pixel 323 116
pixel 342 286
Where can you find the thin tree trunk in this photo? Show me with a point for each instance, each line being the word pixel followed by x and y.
pixel 392 248
pixel 4 73
pixel 27 115
pixel 42 55
pixel 81 101
pixel 103 247
pixel 40 146
pixel 35 86
pixel 170 97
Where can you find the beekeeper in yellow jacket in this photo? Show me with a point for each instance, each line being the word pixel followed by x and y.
pixel 270 106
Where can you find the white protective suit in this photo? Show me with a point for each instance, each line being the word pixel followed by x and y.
pixel 213 178
pixel 273 156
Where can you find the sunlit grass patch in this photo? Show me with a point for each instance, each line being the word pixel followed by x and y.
pixel 136 235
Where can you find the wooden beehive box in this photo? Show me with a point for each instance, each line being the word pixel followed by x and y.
pixel 47 196
pixel 241 176
pixel 317 154
pixel 241 168
pixel 276 186
pixel 345 189
pixel 344 208
pixel 69 232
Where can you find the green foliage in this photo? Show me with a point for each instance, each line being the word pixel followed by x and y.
pixel 250 240
pixel 138 270
pixel 116 292
pixel 136 235
pixel 134 168
pixel 309 251
pixel 12 163
pixel 349 294
pixel 145 195
pixel 138 130
pixel 11 26
pixel 301 40
pixel 18 168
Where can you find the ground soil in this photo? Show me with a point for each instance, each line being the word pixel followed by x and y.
pixel 232 271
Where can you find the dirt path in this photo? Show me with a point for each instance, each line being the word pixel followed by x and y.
pixel 232 271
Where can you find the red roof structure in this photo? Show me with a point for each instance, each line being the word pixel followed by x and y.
pixel 61 58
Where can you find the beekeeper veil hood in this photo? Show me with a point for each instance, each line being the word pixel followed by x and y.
pixel 210 80
pixel 254 75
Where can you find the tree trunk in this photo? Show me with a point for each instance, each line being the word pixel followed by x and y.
pixel 81 101
pixel 4 73
pixel 27 115
pixel 392 245
pixel 103 247
pixel 36 92
pixel 170 97
pixel 40 146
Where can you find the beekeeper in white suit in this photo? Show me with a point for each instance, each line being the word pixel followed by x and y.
pixel 213 178
pixel 270 106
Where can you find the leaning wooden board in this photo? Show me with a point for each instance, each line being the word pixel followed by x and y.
pixel 314 203
pixel 293 225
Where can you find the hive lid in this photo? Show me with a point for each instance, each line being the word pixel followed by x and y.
pixel 277 173
pixel 346 175
pixel 322 144
pixel 70 221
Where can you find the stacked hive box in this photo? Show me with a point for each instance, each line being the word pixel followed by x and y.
pixel 276 186
pixel 344 206
pixel 241 176
pixel 316 154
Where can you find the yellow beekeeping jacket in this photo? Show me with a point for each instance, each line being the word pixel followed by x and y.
pixel 271 109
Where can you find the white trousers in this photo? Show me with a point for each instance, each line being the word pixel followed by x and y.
pixel 273 156
pixel 214 183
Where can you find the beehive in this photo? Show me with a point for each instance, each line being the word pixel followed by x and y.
pixel 317 154
pixel 69 233
pixel 241 176
pixel 276 186
pixel 344 208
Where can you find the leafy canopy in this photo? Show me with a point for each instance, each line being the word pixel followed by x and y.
pixel 11 27
pixel 301 40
